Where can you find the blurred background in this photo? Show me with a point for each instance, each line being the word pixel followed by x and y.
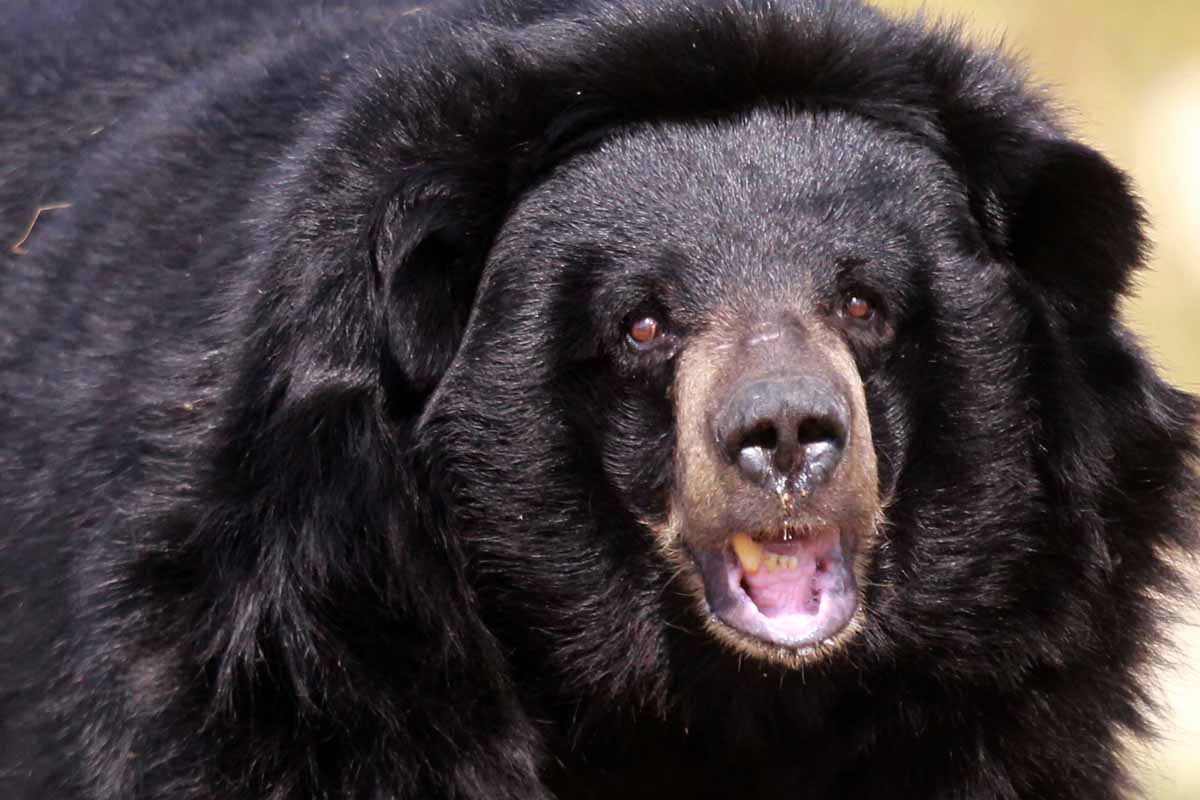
pixel 1128 74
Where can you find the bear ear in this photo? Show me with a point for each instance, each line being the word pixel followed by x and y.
pixel 430 243
pixel 429 263
pixel 1068 220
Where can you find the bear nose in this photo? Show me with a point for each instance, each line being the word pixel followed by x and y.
pixel 789 430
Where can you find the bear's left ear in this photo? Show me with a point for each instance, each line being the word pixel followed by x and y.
pixel 1068 220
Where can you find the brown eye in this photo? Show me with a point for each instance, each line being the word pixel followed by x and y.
pixel 858 308
pixel 644 330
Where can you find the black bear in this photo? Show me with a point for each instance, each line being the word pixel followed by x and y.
pixel 565 399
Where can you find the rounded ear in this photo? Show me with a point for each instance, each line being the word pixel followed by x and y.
pixel 1056 209
pixel 430 244
pixel 1072 225
pixel 429 272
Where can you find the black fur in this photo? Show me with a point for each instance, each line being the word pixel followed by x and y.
pixel 300 501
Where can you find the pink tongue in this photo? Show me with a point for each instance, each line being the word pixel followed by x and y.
pixel 786 591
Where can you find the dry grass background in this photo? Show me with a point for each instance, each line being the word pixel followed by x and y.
pixel 1128 72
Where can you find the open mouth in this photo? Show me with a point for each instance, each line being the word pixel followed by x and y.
pixel 795 589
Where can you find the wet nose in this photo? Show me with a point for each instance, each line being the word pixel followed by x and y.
pixel 784 429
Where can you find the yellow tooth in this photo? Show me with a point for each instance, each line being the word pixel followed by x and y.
pixel 772 562
pixel 793 562
pixel 748 552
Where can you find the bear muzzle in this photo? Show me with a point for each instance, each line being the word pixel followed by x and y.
pixel 777 500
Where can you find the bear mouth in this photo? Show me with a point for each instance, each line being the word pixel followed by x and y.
pixel 793 589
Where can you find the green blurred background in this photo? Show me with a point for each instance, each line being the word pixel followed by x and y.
pixel 1128 74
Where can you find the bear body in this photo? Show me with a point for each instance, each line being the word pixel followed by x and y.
pixel 550 399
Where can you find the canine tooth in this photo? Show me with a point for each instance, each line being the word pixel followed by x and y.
pixel 748 552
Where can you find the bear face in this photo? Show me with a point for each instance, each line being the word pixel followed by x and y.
pixel 746 263
pixel 749 248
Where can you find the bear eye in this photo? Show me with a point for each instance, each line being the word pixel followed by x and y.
pixel 644 331
pixel 858 308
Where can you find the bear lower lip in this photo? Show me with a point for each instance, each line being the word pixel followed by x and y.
pixel 794 594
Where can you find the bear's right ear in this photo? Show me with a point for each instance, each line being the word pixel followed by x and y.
pixel 431 239
pixel 428 264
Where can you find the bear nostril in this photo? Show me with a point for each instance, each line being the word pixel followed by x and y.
pixel 756 450
pixel 816 430
pixel 762 435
